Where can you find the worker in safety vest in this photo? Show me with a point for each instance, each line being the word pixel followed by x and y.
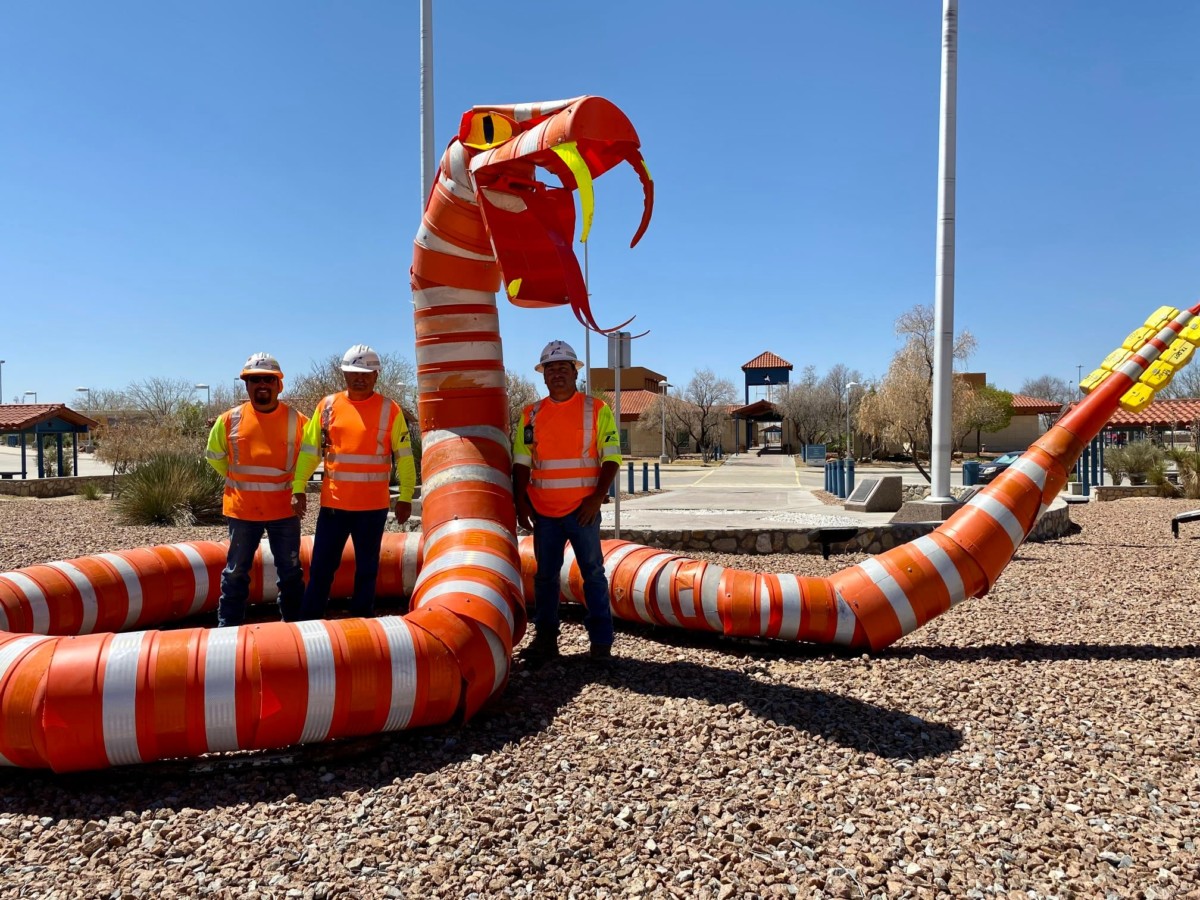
pixel 255 446
pixel 566 453
pixel 358 434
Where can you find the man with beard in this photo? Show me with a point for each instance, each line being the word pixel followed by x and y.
pixel 566 453
pixel 255 446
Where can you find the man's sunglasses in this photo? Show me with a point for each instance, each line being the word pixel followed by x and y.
pixel 259 379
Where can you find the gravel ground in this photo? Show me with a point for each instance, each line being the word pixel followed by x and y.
pixel 1038 742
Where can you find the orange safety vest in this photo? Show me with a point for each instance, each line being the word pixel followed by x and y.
pixel 566 460
pixel 262 448
pixel 357 448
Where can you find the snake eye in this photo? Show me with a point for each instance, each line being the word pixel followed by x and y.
pixel 484 130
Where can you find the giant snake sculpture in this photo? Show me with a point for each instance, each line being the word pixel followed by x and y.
pixel 80 691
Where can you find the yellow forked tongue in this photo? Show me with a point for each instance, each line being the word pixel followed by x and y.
pixel 569 153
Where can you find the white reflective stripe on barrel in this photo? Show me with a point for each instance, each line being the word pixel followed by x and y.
pixel 403 658
pixel 709 585
pixel 846 620
pixel 322 681
pixel 220 694
pixel 199 572
pixel 133 586
pixel 270 575
pixel 38 607
pixel 87 595
pixel 891 589
pixel 118 704
pixel 791 607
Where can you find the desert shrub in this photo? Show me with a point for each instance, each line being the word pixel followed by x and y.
pixel 125 445
pixel 1114 463
pixel 91 491
pixel 1140 459
pixel 1187 462
pixel 171 489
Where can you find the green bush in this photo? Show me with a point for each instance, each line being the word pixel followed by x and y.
pixel 171 489
pixel 1140 459
pixel 1114 463
pixel 91 491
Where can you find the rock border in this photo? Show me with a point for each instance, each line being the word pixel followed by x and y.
pixel 871 539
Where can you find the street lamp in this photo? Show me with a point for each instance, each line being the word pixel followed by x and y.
pixel 32 394
pixel 207 394
pixel 88 391
pixel 1 381
pixel 662 402
pixel 767 382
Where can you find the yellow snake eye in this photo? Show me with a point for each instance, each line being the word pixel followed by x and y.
pixel 484 130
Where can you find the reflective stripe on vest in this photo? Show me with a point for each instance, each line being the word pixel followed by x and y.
pixel 254 491
pixel 281 478
pixel 558 484
pixel 355 479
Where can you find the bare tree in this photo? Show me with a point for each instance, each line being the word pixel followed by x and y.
pixel 703 410
pixel 902 408
pixel 521 392
pixel 1052 388
pixel 324 377
pixel 807 405
pixel 834 395
pixel 159 397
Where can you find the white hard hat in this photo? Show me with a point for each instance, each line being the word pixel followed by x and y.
pixel 261 364
pixel 558 351
pixel 360 358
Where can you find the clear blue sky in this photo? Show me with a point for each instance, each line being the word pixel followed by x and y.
pixel 182 184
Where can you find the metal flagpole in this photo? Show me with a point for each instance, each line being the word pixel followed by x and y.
pixel 587 332
pixel 427 157
pixel 943 340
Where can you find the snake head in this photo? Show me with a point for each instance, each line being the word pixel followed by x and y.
pixel 530 224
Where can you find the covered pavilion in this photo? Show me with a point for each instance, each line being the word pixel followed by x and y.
pixel 19 420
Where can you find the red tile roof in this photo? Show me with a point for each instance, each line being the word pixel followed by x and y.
pixel 1026 404
pixel 633 403
pixel 20 416
pixel 768 360
pixel 1160 414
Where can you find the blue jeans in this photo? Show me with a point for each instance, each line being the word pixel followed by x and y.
pixel 550 535
pixel 244 538
pixel 334 526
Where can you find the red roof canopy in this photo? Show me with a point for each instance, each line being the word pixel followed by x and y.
pixel 768 360
pixel 25 416
pixel 1160 414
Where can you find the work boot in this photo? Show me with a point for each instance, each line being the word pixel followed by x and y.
pixel 541 650
pixel 600 655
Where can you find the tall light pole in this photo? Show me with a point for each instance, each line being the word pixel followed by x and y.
pixel 207 395
pixel 662 402
pixel 88 391
pixel 1 381
pixel 32 394
pixel 943 305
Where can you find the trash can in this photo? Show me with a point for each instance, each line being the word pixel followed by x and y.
pixel 970 473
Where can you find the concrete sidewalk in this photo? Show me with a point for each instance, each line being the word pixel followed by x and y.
pixel 10 461
pixel 748 491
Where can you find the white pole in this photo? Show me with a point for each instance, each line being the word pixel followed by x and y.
pixel 943 341
pixel 587 333
pixel 662 402
pixel 617 416
pixel 427 157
